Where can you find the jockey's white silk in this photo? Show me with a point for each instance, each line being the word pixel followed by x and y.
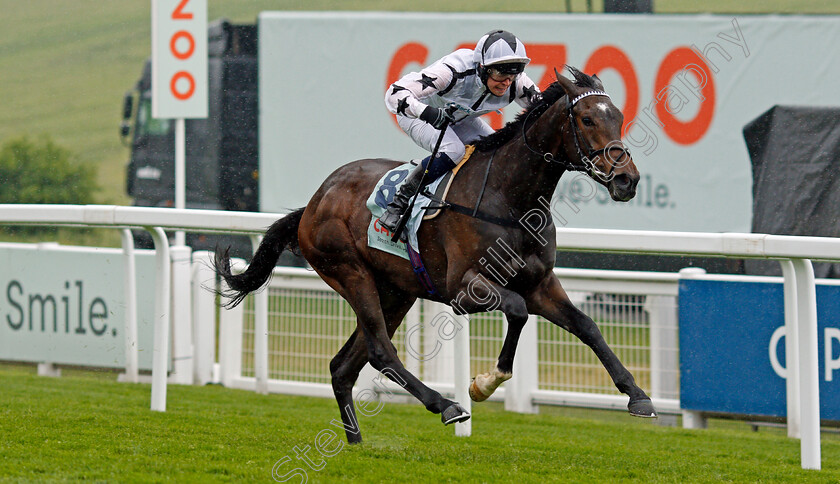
pixel 453 80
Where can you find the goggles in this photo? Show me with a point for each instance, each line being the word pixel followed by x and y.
pixel 504 72
pixel 499 76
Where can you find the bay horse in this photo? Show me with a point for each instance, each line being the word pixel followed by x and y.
pixel 573 126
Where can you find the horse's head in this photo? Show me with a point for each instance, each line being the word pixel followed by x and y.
pixel 592 136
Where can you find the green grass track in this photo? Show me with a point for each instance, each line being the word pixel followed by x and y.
pixel 86 427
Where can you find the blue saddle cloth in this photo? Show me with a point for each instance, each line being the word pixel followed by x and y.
pixel 379 237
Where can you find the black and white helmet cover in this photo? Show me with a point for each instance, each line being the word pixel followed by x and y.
pixel 500 48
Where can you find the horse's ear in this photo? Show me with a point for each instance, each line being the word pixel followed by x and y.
pixel 598 84
pixel 567 85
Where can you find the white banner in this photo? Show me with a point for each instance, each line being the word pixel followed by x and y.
pixel 67 305
pixel 688 83
pixel 179 58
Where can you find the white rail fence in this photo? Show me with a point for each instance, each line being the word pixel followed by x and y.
pixel 794 253
pixel 308 323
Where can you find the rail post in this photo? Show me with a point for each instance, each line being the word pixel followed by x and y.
pixel 130 291
pixel 519 389
pixel 160 352
pixel 791 351
pixel 809 389
pixel 260 333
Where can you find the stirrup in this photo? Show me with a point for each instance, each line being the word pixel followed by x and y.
pixel 395 210
pixel 391 218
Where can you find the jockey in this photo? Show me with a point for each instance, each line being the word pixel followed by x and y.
pixel 460 87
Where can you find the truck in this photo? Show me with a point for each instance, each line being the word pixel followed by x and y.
pixel 222 155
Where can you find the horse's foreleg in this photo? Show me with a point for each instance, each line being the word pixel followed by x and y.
pixel 551 302
pixel 515 310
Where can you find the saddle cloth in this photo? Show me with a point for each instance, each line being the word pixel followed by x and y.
pixel 379 237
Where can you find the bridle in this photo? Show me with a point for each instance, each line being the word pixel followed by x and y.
pixel 587 165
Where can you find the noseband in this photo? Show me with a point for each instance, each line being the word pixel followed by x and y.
pixel 587 165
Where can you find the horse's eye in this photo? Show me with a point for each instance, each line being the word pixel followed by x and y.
pixel 588 122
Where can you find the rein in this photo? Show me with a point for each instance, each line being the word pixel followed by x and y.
pixel 587 165
pixel 473 212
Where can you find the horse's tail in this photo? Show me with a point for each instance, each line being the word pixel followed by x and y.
pixel 283 234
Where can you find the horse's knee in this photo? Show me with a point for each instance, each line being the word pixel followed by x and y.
pixel 517 317
pixel 379 358
pixel 585 327
pixel 577 322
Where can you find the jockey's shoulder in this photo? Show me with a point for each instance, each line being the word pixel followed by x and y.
pixel 461 60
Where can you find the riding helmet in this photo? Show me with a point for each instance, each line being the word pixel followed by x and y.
pixel 501 50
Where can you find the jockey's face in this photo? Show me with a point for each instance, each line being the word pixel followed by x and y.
pixel 499 88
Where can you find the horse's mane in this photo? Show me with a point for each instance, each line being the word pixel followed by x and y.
pixel 548 97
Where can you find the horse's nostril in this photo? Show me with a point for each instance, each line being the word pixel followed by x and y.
pixel 622 181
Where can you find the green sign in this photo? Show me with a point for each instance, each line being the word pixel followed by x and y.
pixel 66 305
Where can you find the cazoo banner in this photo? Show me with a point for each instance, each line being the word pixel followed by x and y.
pixel 686 85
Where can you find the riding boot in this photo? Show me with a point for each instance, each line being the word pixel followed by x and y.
pixel 391 218
pixel 393 213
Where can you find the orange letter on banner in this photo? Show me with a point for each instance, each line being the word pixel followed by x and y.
pixel 689 132
pixel 174 40
pixel 182 96
pixel 552 56
pixel 408 53
pixel 611 57
pixel 179 13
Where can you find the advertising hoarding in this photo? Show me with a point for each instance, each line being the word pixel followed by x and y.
pixel 732 347
pixel 686 84
pixel 66 305
pixel 179 58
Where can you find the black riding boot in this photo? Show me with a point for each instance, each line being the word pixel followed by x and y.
pixel 438 165
pixel 391 218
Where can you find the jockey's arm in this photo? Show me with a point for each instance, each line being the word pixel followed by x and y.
pixel 408 96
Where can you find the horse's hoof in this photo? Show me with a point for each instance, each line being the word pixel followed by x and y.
pixel 475 393
pixel 453 414
pixel 642 407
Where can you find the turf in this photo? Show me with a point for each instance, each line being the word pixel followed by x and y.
pixel 85 426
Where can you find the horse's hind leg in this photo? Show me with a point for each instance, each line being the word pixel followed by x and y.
pixel 345 368
pixel 350 360
pixel 551 302
pixel 356 285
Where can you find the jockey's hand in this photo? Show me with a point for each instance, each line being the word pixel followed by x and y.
pixel 436 117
